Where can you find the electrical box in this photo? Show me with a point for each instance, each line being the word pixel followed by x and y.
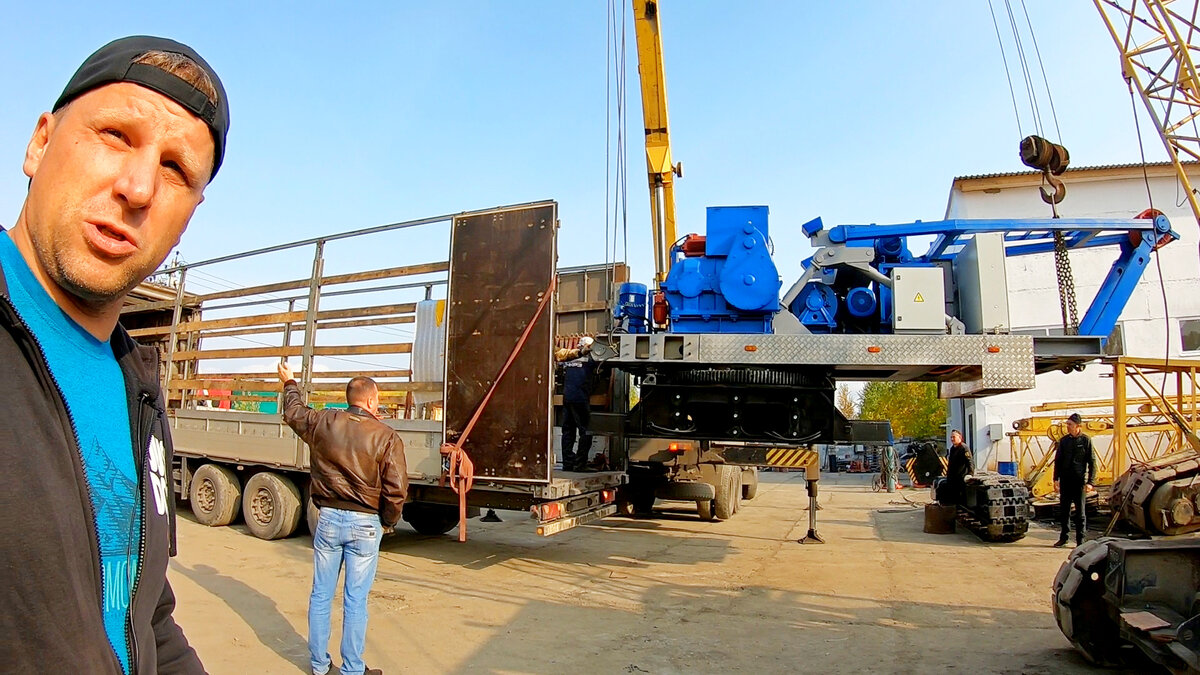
pixel 982 284
pixel 995 432
pixel 919 297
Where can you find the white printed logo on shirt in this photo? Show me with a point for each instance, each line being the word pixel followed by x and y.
pixel 158 474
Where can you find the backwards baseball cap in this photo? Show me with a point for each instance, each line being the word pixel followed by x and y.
pixel 114 62
pixel 1075 418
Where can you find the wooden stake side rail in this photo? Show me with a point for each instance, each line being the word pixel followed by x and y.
pixel 279 320
pixel 248 385
pixel 319 375
pixel 296 284
pixel 295 350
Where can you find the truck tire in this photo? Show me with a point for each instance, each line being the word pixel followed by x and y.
pixel 430 519
pixel 311 513
pixel 704 508
pixel 271 506
pixel 736 489
pixel 724 504
pixel 750 484
pixel 643 503
pixel 215 495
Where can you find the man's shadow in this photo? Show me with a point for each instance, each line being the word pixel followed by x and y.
pixel 257 610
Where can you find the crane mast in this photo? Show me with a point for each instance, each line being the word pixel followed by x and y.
pixel 659 167
pixel 1158 58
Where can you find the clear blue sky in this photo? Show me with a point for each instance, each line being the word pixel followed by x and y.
pixel 348 117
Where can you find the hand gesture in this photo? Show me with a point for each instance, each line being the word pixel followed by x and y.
pixel 285 371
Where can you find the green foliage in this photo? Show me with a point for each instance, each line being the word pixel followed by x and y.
pixel 913 408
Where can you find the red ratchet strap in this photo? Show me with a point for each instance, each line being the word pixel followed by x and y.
pixel 461 471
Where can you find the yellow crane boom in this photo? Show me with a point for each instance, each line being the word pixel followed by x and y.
pixel 1158 57
pixel 660 169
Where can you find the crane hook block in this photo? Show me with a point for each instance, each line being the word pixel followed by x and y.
pixel 1043 155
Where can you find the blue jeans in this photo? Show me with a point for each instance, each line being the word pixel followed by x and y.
pixel 350 538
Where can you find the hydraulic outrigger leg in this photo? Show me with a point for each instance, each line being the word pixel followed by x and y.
pixel 812 475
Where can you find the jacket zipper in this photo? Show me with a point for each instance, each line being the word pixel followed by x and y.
pixel 78 453
pixel 130 635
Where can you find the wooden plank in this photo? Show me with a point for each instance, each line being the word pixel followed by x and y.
pixel 371 275
pixel 501 264
pixel 298 327
pixel 387 273
pixel 279 352
pixel 319 375
pixel 248 386
pixel 591 306
pixel 278 320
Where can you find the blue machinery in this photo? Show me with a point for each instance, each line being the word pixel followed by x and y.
pixel 859 275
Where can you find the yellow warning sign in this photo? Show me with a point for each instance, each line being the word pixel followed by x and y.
pixel 919 298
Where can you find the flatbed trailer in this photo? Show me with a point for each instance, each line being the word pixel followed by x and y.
pixel 247 463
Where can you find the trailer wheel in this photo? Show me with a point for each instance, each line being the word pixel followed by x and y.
pixel 736 489
pixel 724 503
pixel 750 485
pixel 271 506
pixel 704 509
pixel 430 519
pixel 311 513
pixel 215 495
pixel 643 502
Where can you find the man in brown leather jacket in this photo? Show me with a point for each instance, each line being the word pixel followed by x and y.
pixel 359 481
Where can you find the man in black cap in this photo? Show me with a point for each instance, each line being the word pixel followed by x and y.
pixel 86 504
pixel 1074 473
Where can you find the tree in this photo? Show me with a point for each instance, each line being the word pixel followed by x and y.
pixel 913 408
pixel 845 403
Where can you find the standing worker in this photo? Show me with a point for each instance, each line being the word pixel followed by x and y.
pixel 359 481
pixel 87 514
pixel 958 467
pixel 578 368
pixel 1074 473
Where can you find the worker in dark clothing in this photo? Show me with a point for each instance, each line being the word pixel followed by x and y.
pixel 1074 473
pixel 958 467
pixel 578 369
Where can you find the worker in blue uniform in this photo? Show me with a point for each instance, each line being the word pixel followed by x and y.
pixel 578 370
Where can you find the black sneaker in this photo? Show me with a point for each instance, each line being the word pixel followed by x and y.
pixel 372 671
pixel 1062 541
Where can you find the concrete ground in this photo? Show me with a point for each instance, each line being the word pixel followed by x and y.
pixel 668 594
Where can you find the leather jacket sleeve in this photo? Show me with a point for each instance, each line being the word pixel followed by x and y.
pixel 298 416
pixel 393 473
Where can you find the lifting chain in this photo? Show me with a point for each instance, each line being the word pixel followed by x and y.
pixel 1066 286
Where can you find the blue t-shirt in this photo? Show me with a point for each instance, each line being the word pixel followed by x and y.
pixel 94 389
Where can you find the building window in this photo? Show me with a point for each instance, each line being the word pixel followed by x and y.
pixel 1189 334
pixel 1115 346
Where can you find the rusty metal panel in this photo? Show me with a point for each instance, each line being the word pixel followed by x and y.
pixel 501 265
pixel 585 296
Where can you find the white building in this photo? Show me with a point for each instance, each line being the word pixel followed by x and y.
pixel 1144 328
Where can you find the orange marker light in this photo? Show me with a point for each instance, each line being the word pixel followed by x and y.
pixel 873 349
pixel 993 349
pixel 751 348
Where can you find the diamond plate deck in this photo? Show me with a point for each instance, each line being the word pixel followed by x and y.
pixel 977 363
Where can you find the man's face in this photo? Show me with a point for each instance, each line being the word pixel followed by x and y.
pixel 1073 428
pixel 116 175
pixel 956 438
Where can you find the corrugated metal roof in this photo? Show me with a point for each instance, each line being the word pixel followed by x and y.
pixel 1074 169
